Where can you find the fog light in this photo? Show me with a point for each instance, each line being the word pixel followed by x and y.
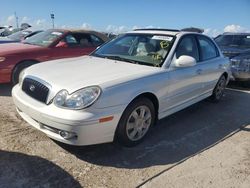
pixel 67 135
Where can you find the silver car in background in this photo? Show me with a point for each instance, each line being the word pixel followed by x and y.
pixel 19 36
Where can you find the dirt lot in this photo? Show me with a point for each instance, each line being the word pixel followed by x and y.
pixel 205 145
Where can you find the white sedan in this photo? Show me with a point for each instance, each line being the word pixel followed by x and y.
pixel 121 89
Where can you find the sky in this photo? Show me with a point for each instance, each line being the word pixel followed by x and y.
pixel 214 16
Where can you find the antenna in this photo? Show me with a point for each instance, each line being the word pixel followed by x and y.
pixel 17 26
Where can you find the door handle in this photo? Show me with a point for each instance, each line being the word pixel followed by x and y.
pixel 199 71
pixel 220 66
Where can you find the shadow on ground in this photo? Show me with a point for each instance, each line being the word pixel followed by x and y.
pixel 5 89
pixel 239 85
pixel 176 137
pixel 20 170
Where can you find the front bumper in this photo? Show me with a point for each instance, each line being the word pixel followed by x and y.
pixel 85 123
pixel 240 75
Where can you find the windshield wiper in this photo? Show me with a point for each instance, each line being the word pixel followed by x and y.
pixel 97 55
pixel 119 58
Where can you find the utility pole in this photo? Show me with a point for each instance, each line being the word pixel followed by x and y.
pixel 17 26
pixel 52 16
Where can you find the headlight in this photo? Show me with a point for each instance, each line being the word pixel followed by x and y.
pixel 2 59
pixel 242 64
pixel 235 63
pixel 246 64
pixel 79 99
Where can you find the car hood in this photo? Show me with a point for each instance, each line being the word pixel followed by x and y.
pixel 233 51
pixel 3 39
pixel 76 73
pixel 12 48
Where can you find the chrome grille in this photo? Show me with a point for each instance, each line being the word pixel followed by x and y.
pixel 35 89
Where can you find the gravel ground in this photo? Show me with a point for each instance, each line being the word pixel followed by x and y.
pixel 205 145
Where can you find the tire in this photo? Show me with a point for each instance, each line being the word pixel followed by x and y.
pixel 18 69
pixel 131 131
pixel 219 89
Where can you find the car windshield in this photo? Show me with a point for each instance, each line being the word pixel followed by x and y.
pixel 145 49
pixel 19 35
pixel 44 38
pixel 240 41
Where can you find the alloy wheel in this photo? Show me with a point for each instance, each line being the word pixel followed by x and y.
pixel 138 123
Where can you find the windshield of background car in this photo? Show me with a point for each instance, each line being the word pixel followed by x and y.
pixel 19 35
pixel 146 49
pixel 44 38
pixel 240 41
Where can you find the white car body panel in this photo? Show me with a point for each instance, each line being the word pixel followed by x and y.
pixel 121 82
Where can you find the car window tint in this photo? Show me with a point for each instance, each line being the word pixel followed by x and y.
pixel 224 40
pixel 208 49
pixel 79 40
pixel 188 46
pixel 145 49
pixel 96 41
pixel 84 40
pixel 31 34
pixel 19 35
pixel 239 41
pixel 246 41
pixel 70 40
pixel 45 38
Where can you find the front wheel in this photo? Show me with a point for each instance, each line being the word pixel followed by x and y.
pixel 219 89
pixel 135 122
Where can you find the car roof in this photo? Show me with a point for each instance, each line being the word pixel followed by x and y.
pixel 156 31
pixel 98 34
pixel 234 33
pixel 161 31
pixel 74 30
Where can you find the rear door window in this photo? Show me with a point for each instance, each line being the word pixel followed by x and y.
pixel 79 40
pixel 71 40
pixel 96 41
pixel 207 48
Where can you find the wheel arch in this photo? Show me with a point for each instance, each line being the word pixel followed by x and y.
pixel 225 74
pixel 152 97
pixel 25 61
pixel 148 95
pixel 22 62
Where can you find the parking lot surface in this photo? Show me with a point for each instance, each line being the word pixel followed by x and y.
pixel 205 145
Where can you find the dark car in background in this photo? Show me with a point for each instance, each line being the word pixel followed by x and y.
pixel 236 46
pixel 19 36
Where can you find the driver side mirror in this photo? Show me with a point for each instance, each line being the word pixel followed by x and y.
pixel 62 44
pixel 185 61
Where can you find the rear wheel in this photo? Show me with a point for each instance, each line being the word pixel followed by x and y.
pixel 219 89
pixel 18 69
pixel 135 122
